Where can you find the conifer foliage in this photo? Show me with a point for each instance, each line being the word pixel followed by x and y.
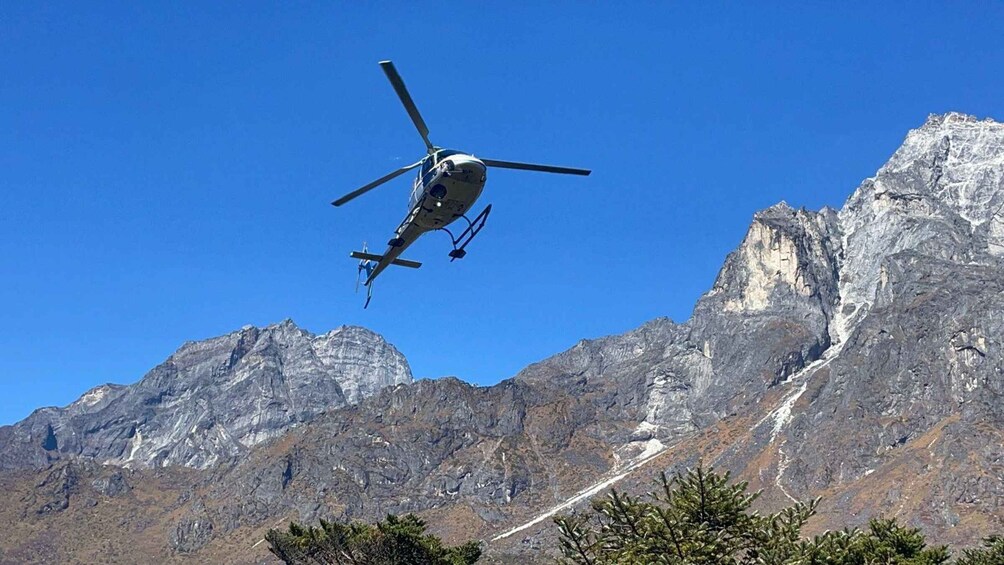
pixel 699 517
pixel 393 541
pixel 992 553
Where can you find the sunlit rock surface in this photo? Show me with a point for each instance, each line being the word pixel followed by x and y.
pixel 211 400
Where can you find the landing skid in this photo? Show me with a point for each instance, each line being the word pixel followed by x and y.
pixel 465 237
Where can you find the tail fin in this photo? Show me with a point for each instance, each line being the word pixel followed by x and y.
pixel 368 262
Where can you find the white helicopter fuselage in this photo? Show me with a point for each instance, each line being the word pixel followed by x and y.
pixel 447 186
pixel 446 191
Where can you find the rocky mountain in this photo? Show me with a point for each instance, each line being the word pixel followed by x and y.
pixel 853 354
pixel 211 400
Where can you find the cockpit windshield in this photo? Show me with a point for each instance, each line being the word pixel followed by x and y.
pixel 435 159
pixel 446 153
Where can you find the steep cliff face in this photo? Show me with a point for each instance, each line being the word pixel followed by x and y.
pixel 918 373
pixel 767 316
pixel 854 354
pixel 941 195
pixel 211 400
pixel 770 311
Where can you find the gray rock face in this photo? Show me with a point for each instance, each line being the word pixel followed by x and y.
pixel 193 532
pixel 802 283
pixel 926 355
pixel 767 316
pixel 941 195
pixel 922 321
pixel 211 400
pixel 112 485
pixel 863 347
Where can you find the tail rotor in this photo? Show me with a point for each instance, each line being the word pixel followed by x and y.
pixel 367 266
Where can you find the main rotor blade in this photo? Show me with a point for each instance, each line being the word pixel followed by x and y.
pixel 532 167
pixel 375 184
pixel 409 104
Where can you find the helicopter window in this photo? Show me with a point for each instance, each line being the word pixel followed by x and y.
pixel 426 165
pixel 444 154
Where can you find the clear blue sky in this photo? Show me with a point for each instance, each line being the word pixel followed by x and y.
pixel 166 168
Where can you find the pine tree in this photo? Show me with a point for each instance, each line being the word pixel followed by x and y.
pixel 695 517
pixel 394 541
pixel 699 518
pixel 992 553
pixel 885 542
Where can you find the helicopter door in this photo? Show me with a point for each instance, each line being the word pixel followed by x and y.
pixel 416 193
pixel 420 179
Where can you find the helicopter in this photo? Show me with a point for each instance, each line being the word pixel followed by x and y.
pixel 447 185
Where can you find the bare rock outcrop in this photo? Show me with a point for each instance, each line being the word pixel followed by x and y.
pixel 211 400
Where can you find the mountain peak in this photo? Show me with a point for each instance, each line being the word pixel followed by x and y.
pixel 951 139
pixel 941 194
pixel 286 324
pixel 213 399
pixel 935 121
pixel 781 207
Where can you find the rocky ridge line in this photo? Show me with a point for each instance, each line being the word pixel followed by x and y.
pixel 211 400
